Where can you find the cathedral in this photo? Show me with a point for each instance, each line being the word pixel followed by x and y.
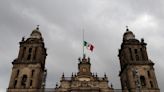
pixel 28 74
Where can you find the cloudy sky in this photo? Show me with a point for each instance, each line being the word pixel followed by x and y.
pixel 61 23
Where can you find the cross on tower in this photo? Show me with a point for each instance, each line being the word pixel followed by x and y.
pixel 127 29
pixel 37 27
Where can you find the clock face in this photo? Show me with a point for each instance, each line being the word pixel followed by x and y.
pixel 84 69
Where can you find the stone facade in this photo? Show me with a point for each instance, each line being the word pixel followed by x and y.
pixel 84 80
pixel 137 70
pixel 29 73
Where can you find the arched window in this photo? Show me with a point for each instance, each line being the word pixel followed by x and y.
pixel 29 57
pixel 151 84
pixel 35 53
pixel 131 56
pixel 136 54
pixel 32 73
pixel 24 80
pixel 137 57
pixel 148 73
pixel 30 82
pixel 24 49
pixel 142 54
pixel 17 73
pixel 30 50
pixel 135 51
pixel 29 53
pixel 143 81
pixel 15 83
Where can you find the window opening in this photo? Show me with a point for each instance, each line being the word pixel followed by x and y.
pixel 30 50
pixel 131 56
pixel 148 73
pixel 15 83
pixel 23 82
pixel 143 81
pixel 32 73
pixel 151 84
pixel 30 82
pixel 24 49
pixel 17 73
pixel 29 57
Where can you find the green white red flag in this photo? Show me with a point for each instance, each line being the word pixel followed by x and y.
pixel 89 46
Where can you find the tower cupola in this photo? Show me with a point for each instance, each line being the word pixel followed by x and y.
pixel 29 72
pixel 137 70
pixel 36 33
pixel 128 35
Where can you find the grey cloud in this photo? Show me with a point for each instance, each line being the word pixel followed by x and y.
pixel 61 23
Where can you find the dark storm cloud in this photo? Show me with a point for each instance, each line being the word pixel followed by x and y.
pixel 61 23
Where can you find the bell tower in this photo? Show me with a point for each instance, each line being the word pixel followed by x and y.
pixel 137 72
pixel 84 67
pixel 28 72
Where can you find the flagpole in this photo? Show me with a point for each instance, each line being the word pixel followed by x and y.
pixel 83 42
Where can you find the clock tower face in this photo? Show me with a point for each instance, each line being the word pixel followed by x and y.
pixel 84 69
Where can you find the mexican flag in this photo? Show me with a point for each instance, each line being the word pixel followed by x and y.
pixel 88 46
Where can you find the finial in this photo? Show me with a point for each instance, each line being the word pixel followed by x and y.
pixel 142 40
pixel 63 75
pixel 105 75
pixel 56 85
pixel 79 59
pixel 72 74
pixel 23 38
pixel 127 29
pixel 37 27
pixel 111 85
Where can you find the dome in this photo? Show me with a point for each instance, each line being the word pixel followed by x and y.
pixel 128 35
pixel 36 33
